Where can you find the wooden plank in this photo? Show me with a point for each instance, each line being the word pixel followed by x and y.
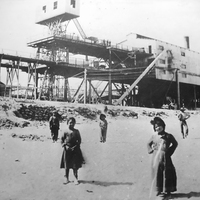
pixel 139 78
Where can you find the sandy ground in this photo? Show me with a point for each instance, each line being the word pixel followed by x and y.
pixel 118 169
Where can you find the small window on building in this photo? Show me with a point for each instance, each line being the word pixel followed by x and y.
pixel 182 53
pixel 44 8
pixel 184 75
pixel 55 5
pixel 183 66
pixel 163 71
pixel 73 3
pixel 160 47
pixel 162 61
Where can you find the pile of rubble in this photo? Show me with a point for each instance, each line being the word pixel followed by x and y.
pixel 8 124
pixel 37 112
pixel 43 113
pixel 34 112
pixel 120 112
pixel 29 137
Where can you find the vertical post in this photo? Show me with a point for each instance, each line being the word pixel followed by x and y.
pixel 123 89
pixel 110 79
pixel 18 62
pixel 85 91
pixel 65 89
pixel 36 84
pixel 90 91
pixel 35 80
pixel 0 67
pixel 195 98
pixel 26 92
pixel 178 90
pixel 67 56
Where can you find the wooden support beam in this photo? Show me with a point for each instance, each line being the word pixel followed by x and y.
pixel 195 98
pixel 178 90
pixel 85 90
pixel 150 67
pixel 103 90
pixel 110 78
pixel 18 63
pixel 95 91
pixel 1 57
pixel 75 97
pixel 90 91
pixel 43 80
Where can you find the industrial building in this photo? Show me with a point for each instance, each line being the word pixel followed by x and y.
pixel 156 75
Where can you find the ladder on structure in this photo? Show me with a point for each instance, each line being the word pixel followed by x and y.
pixel 78 26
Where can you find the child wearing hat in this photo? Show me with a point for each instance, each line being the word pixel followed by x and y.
pixel 162 146
pixel 183 124
pixel 103 127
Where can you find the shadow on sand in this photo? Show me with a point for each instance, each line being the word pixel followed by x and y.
pixel 185 195
pixel 105 184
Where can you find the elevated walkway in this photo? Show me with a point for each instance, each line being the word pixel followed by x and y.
pixel 98 49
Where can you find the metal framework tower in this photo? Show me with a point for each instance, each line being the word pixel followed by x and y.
pixel 54 14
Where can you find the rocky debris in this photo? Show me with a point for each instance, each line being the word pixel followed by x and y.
pixel 43 113
pixel 34 112
pixel 154 113
pixel 121 112
pixel 8 124
pixel 29 137
pixel 38 113
pixel 87 113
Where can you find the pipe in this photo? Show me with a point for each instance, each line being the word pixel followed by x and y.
pixel 187 42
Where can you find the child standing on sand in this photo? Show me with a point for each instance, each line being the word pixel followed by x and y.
pixel 54 126
pixel 72 157
pixel 162 146
pixel 183 124
pixel 103 127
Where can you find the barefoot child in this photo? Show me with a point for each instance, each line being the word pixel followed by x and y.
pixel 54 126
pixel 162 146
pixel 183 124
pixel 103 127
pixel 72 156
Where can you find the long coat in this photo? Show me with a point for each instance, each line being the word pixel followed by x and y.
pixel 72 156
pixel 162 147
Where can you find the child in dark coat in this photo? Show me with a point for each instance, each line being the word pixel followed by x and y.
pixel 103 127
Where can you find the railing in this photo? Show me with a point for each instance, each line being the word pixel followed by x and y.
pixel 78 62
pixel 18 53
pixel 90 40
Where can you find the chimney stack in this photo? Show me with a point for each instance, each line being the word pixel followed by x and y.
pixel 187 42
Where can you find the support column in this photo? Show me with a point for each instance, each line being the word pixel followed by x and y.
pixel 195 98
pixel 65 89
pixel 31 76
pixel 35 81
pixel 85 90
pixel 0 66
pixel 36 84
pixel 18 62
pixel 178 90
pixel 110 79
pixel 90 91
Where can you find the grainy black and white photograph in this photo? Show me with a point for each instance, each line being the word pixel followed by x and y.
pixel 99 100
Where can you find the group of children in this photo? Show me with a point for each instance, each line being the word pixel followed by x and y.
pixel 72 157
pixel 161 145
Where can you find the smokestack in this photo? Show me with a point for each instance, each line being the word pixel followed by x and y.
pixel 187 42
